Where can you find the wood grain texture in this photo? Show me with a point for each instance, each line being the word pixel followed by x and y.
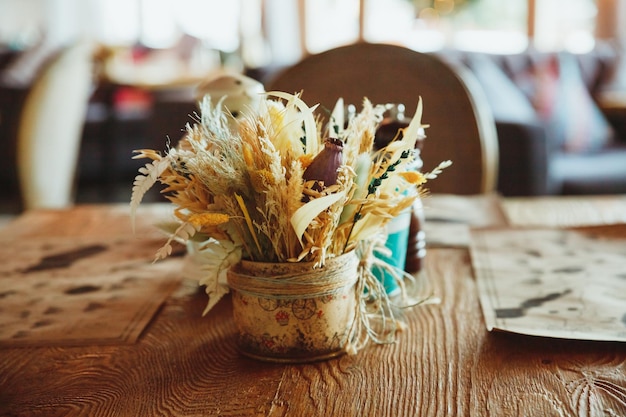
pixel 184 365
pixel 444 364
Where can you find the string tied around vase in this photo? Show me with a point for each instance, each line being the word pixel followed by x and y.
pixel 378 314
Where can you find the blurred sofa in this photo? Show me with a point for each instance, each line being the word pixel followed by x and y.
pixel 560 118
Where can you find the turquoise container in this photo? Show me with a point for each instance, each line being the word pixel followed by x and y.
pixel 397 241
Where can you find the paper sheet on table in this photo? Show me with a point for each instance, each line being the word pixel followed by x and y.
pixel 77 291
pixel 563 283
pixel 449 217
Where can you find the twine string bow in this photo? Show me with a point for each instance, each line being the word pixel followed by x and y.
pixel 377 316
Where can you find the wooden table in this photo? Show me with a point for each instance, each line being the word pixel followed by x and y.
pixel 444 364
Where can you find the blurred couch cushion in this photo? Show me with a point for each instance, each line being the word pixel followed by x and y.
pixel 560 88
pixel 601 173
pixel 507 101
pixel 559 94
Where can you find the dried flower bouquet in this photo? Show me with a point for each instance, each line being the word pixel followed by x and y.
pixel 274 185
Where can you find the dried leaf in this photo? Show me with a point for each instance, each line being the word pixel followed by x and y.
pixel 308 118
pixel 150 175
pixel 207 262
pixel 305 214
pixel 183 234
pixel 413 130
pixel 337 119
pixel 244 209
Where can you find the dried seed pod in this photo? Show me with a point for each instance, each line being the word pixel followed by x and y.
pixel 323 168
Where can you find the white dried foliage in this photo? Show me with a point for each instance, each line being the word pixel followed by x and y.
pixel 250 170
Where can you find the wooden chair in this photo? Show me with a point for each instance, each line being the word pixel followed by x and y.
pixel 50 129
pixel 461 124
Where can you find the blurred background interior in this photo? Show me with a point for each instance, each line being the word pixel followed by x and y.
pixel 553 71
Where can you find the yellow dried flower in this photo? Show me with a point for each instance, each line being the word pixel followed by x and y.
pixel 276 111
pixel 248 156
pixel 306 160
pixel 414 177
pixel 208 219
pixel 260 179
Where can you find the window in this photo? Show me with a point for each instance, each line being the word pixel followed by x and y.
pixel 330 23
pixel 482 25
pixel 160 23
pixel 490 26
pixel 283 30
pixel 565 24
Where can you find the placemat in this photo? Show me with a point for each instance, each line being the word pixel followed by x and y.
pixel 564 283
pixel 80 291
